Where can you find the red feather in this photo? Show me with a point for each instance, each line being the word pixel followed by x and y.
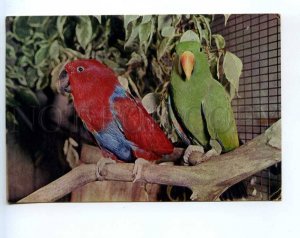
pixel 91 90
pixel 140 128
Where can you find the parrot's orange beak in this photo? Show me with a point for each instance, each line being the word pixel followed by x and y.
pixel 64 83
pixel 187 61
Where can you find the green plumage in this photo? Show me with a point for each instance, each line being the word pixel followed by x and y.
pixel 202 103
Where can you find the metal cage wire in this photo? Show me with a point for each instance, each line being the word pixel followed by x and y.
pixel 255 38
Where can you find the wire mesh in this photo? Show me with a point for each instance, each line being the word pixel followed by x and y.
pixel 255 38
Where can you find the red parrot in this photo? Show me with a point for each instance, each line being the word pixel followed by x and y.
pixel 119 123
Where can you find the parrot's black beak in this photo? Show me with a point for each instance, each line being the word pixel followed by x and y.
pixel 187 61
pixel 64 83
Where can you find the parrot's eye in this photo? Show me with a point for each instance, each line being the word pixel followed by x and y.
pixel 80 69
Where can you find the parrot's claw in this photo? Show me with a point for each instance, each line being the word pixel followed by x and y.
pixel 137 169
pixel 211 153
pixel 100 166
pixel 207 156
pixel 189 150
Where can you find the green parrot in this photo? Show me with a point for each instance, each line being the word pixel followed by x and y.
pixel 200 103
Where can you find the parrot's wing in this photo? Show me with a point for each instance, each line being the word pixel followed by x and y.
pixel 139 127
pixel 219 118
pixel 114 141
pixel 176 124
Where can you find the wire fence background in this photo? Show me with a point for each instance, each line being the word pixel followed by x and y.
pixel 255 38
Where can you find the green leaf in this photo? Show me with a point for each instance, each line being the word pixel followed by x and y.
pixel 40 73
pixel 203 28
pixel 176 20
pixel 99 19
pixel 146 18
pixel 129 30
pixel 72 53
pixel 199 28
pixel 50 30
pixel 232 68
pixel 61 20
pixel 84 31
pixel 42 83
pixel 189 36
pixel 10 83
pixel 162 48
pixel 129 18
pixel 226 16
pixel 21 28
pixel 17 73
pixel 110 63
pixel 144 34
pixel 41 55
pixel 10 99
pixel 132 37
pixel 41 44
pixel 10 118
pixel 27 50
pixel 38 36
pixel 23 61
pixel 135 59
pixel 28 97
pixel 10 51
pixel 124 82
pixel 163 21
pixel 168 31
pixel 37 21
pixel 54 50
pixel 206 33
pixel 220 41
pixel 31 77
pixel 150 102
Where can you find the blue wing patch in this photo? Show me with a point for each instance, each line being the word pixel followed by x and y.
pixel 119 92
pixel 113 140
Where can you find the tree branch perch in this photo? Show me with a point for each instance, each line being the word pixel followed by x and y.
pixel 207 180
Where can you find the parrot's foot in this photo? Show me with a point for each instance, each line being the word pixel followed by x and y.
pixel 100 165
pixel 211 153
pixel 190 150
pixel 205 157
pixel 137 169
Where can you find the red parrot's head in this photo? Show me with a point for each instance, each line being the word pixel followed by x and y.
pixel 85 74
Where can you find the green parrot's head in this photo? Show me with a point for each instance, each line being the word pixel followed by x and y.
pixel 188 54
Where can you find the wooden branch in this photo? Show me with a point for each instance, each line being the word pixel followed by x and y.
pixel 207 180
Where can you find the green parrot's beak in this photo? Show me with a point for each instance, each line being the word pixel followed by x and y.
pixel 187 61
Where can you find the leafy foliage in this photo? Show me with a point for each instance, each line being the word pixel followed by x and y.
pixel 38 47
pixel 138 48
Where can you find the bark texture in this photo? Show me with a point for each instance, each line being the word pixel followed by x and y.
pixel 207 180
